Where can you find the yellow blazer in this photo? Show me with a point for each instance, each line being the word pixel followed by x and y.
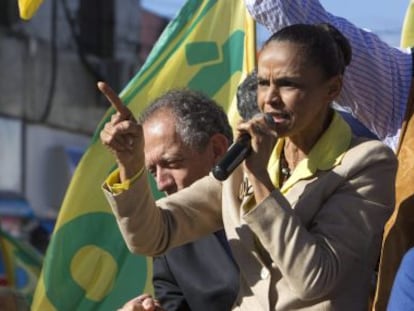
pixel 313 249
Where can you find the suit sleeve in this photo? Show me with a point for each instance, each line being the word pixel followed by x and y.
pixel 166 288
pixel 151 228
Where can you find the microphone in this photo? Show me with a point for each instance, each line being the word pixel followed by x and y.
pixel 236 153
pixel 233 157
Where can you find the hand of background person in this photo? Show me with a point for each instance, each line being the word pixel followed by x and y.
pixel 123 136
pixel 143 302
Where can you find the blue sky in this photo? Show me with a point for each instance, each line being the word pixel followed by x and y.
pixel 384 17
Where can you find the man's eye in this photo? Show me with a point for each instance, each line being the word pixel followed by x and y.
pixel 174 164
pixel 174 161
pixel 152 171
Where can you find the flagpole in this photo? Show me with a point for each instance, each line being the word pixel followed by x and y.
pixel 407 33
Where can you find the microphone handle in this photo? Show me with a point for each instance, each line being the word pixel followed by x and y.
pixel 233 157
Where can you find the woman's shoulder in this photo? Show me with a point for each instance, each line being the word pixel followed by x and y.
pixel 364 145
pixel 364 151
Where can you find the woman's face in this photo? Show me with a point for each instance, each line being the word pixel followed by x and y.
pixel 296 94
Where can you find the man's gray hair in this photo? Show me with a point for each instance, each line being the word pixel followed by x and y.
pixel 197 116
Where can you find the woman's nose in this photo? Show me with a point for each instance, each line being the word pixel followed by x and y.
pixel 272 95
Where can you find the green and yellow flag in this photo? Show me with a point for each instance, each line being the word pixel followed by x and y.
pixel 209 46
pixel 21 264
pixel 407 34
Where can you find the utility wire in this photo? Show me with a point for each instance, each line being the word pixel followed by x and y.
pixel 53 64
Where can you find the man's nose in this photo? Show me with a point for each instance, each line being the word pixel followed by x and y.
pixel 164 179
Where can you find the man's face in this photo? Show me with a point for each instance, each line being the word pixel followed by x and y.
pixel 173 165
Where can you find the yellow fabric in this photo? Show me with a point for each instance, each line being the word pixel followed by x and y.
pixel 27 8
pixel 115 186
pixel 407 34
pixel 22 264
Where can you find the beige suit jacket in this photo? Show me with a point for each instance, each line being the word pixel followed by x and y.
pixel 313 249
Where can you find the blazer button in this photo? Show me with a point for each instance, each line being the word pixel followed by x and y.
pixel 264 274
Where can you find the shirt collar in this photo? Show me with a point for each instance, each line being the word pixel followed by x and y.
pixel 327 153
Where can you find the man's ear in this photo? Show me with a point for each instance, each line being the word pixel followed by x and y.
pixel 334 87
pixel 219 144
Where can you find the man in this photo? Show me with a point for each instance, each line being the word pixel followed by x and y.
pixel 185 134
pixel 379 91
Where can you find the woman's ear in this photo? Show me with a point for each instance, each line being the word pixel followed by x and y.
pixel 334 87
pixel 219 144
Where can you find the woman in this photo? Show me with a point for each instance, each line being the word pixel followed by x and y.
pixel 305 213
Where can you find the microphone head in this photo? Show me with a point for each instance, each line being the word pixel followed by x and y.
pixel 236 153
pixel 269 119
pixel 220 173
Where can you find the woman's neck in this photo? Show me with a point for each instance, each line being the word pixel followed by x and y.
pixel 297 148
pixel 292 154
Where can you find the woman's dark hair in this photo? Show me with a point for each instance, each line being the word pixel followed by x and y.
pixel 323 45
pixel 247 97
pixel 197 116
